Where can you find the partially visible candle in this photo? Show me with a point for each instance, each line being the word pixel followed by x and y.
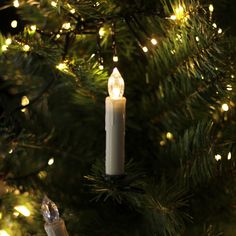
pixel 115 125
pixel 54 225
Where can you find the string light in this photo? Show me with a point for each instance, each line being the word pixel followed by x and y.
pixel 197 38
pixel 16 214
pixel 225 107
pixel 50 161
pixel 229 156
pixel 218 157
pixel 53 4
pixel 169 135
pixel 14 24
pixel 10 151
pixel 8 41
pixel 33 27
pixel 145 49
pixel 101 67
pixel 220 31
pixel 154 41
pixel 58 36
pixel 4 48
pixel 179 14
pixel 229 87
pixel 214 25
pixel 26 48
pixel 16 3
pixel 173 17
pixel 232 76
pixel 162 142
pixel 72 11
pixel 101 32
pixel 24 102
pixel 211 8
pixel 4 233
pixel 66 25
pixel 115 58
pixel 62 66
pixel 22 210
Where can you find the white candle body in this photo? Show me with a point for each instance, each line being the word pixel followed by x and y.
pixel 115 135
pixel 56 228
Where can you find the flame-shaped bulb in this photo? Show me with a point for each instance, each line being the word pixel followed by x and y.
pixel 116 85
pixel 49 210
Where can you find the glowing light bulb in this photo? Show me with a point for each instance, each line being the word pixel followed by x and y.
pixel 16 3
pixel 225 107
pixel 22 210
pixel 8 41
pixel 115 58
pixel 229 87
pixel 154 41
pixel 53 4
pixel 58 36
pixel 4 233
pixel 14 24
pixel 211 8
pixel 229 156
pixel 218 157
pixel 4 48
pixel 116 85
pixel 72 11
pixel 61 66
pixel 169 135
pixel 33 27
pixel 197 38
pixel 220 31
pixel 26 48
pixel 101 67
pixel 101 32
pixel 66 25
pixel 145 49
pixel 24 101
pixel 50 161
pixel 214 25
pixel 173 17
pixel 232 76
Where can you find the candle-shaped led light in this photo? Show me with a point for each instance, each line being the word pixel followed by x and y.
pixel 54 225
pixel 115 125
pixel 116 85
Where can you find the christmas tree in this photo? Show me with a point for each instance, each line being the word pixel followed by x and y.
pixel 178 68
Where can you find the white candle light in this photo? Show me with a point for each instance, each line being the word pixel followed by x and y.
pixel 115 125
pixel 54 225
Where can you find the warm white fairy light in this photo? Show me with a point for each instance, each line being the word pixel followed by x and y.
pixel 197 38
pixel 22 210
pixel 16 3
pixel 218 157
pixel 66 25
pixel 229 87
pixel 154 41
pixel 115 58
pixel 145 49
pixel 229 156
pixel 214 25
pixel 101 67
pixel 61 66
pixel 58 36
pixel 8 41
pixel 33 27
pixel 24 102
pixel 53 4
pixel 232 76
pixel 225 107
pixel 116 85
pixel 50 161
pixel 172 51
pixel 72 11
pixel 10 151
pixel 4 48
pixel 211 8
pixel 169 135
pixel 102 32
pixel 14 24
pixel 220 31
pixel 26 48
pixel 4 233
pixel 16 213
pixel 173 17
